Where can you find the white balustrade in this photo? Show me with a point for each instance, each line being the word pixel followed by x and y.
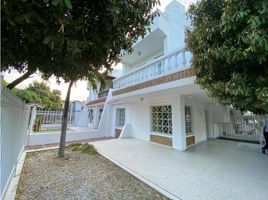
pixel 162 66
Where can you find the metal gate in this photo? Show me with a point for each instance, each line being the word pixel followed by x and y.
pixel 244 126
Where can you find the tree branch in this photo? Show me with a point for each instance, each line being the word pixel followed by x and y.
pixel 20 79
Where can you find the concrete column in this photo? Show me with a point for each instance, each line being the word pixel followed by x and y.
pixel 95 117
pixel 32 119
pixel 178 122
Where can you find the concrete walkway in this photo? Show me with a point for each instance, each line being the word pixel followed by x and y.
pixel 216 170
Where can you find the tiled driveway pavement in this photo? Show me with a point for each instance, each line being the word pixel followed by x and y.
pixel 216 170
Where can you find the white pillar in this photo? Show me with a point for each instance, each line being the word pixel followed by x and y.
pixel 178 123
pixel 95 117
pixel 32 119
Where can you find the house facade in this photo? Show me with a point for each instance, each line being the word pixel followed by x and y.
pixel 97 98
pixel 156 98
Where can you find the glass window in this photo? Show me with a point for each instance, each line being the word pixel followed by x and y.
pixel 120 117
pixel 161 119
pixel 188 120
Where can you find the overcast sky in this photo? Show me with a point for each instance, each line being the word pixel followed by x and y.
pixel 79 90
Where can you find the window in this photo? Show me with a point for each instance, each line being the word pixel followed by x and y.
pixel 188 120
pixel 161 119
pixel 100 114
pixel 120 117
pixel 90 115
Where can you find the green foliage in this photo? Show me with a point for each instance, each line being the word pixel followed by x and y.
pixel 29 96
pixel 4 83
pixel 37 123
pixel 229 42
pixel 84 148
pixel 41 94
pixel 71 39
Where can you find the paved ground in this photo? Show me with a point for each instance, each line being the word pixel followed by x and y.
pixel 79 176
pixel 213 170
pixel 45 146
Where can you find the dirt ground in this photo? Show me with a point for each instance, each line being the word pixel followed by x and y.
pixel 78 176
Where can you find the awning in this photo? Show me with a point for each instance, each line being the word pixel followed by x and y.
pixel 96 101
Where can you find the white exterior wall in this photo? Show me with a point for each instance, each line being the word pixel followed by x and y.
pixel 198 121
pixel 128 68
pixel 178 123
pixel 14 128
pixel 175 26
pixel 112 116
pixel 207 117
pixel 140 124
pixel 138 117
pixel 54 138
pixel 173 23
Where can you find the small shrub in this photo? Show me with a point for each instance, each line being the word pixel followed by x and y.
pixel 37 124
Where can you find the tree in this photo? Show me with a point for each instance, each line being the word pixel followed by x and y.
pixel 40 93
pixel 21 39
pixel 228 40
pixel 29 96
pixel 83 37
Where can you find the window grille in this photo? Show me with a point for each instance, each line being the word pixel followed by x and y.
pixel 161 119
pixel 188 120
pixel 120 112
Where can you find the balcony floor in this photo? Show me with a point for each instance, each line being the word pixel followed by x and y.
pixel 213 170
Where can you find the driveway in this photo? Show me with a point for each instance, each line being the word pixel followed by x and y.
pixel 216 169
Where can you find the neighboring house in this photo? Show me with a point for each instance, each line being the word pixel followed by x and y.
pixel 76 106
pixel 156 98
pixel 97 98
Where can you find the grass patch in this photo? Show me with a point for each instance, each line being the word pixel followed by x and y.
pixel 31 154
pixel 35 153
pixel 84 148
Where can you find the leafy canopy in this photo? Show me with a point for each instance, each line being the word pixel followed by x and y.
pixel 229 42
pixel 76 38
pixel 21 39
pixel 71 39
pixel 41 94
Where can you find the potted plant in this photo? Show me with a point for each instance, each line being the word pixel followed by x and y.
pixel 37 124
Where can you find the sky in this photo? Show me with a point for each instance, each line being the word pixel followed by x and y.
pixel 79 90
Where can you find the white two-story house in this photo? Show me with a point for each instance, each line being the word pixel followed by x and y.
pixel 156 98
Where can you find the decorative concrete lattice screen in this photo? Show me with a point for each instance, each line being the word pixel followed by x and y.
pixel 161 119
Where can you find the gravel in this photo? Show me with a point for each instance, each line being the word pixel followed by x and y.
pixel 78 176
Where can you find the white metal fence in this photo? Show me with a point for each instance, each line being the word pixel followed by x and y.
pixel 14 126
pixel 50 120
pixel 246 127
pixel 54 116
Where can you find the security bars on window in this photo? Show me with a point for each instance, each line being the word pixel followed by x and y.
pixel 161 119
pixel 121 117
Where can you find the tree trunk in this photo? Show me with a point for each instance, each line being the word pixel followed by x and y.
pixel 64 121
pixel 20 79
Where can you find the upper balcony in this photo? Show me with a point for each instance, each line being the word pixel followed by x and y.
pixel 162 67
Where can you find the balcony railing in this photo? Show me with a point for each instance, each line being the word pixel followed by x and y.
pixel 162 66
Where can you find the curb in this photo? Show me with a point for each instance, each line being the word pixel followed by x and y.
pixel 13 185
